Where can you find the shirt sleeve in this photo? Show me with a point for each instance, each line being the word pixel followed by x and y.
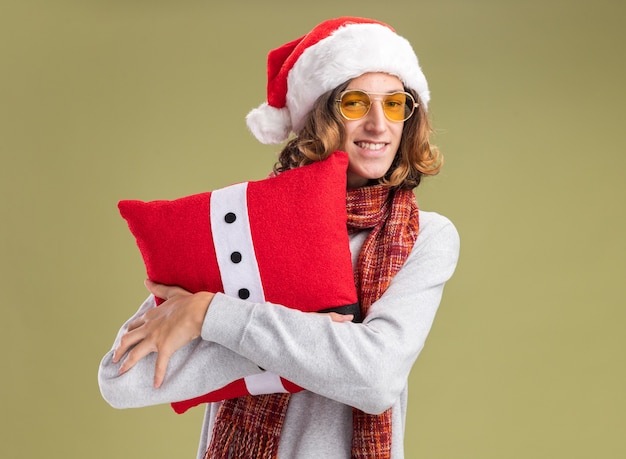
pixel 362 365
pixel 198 368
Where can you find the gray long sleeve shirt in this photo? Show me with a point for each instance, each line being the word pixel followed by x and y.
pixel 342 365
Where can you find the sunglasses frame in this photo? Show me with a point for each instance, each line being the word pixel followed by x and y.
pixel 371 99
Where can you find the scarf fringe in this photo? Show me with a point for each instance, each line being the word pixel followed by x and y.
pixel 247 445
pixel 371 435
pixel 248 427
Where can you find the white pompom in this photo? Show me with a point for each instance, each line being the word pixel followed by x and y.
pixel 269 125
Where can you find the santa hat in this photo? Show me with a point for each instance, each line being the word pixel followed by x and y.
pixel 334 52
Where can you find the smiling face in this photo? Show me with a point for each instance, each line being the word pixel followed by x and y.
pixel 372 141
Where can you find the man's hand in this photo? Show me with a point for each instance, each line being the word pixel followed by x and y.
pixel 164 329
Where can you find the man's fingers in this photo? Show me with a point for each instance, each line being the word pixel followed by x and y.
pixel 158 290
pixel 160 368
pixel 135 355
pixel 138 322
pixel 340 317
pixel 163 291
pixel 128 340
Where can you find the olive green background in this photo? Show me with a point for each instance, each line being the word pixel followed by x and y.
pixel 107 100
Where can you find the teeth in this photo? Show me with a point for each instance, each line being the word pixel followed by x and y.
pixel 370 146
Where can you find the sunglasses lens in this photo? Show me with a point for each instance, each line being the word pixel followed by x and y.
pixel 354 104
pixel 398 106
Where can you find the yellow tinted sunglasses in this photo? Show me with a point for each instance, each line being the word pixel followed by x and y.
pixel 354 104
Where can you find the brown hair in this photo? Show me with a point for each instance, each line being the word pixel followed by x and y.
pixel 323 133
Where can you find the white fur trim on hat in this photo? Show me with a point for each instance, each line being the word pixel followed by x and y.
pixel 269 124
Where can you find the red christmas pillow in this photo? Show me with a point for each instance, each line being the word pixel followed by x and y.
pixel 281 240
